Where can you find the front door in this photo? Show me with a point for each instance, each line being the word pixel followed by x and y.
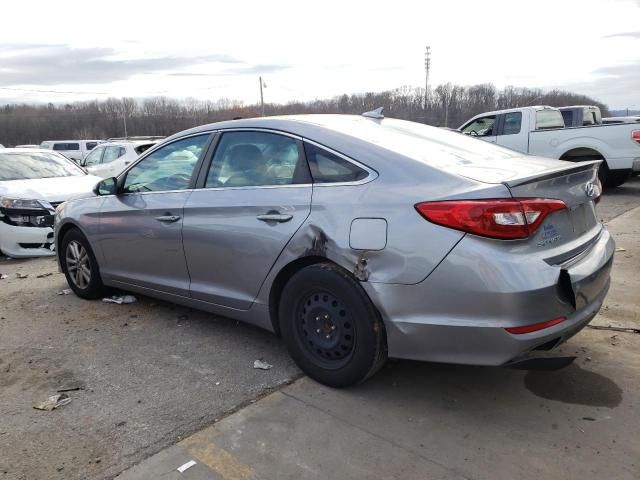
pixel 141 227
pixel 256 194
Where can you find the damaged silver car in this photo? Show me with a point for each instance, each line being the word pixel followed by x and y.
pixel 355 238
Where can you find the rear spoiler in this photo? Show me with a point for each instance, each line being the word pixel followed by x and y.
pixel 556 172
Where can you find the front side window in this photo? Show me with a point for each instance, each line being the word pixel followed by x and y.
pixel 28 166
pixel 481 127
pixel 512 122
pixel 327 167
pixel 547 119
pixel 94 157
pixel 111 154
pixel 168 168
pixel 252 159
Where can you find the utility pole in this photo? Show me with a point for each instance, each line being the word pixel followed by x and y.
pixel 261 97
pixel 124 120
pixel 427 68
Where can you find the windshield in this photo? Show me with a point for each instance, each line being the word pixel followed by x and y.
pixel 28 166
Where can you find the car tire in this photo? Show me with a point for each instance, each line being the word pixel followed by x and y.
pixel 615 179
pixel 80 266
pixel 331 329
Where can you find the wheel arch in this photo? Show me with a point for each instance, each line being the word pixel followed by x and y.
pixel 62 231
pixel 582 153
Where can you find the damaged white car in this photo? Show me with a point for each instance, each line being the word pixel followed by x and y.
pixel 32 183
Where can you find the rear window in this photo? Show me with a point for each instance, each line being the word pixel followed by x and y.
pixel 28 166
pixel 66 146
pixel 546 119
pixel 327 167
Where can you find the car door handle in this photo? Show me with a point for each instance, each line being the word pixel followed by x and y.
pixel 274 217
pixel 168 218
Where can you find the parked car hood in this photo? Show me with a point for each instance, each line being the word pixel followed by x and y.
pixel 57 189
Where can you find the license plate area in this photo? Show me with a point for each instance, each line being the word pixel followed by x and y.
pixel 582 218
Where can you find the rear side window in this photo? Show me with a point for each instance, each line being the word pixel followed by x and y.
pixel 66 146
pixel 254 159
pixel 327 167
pixel 567 116
pixel 112 153
pixel 91 145
pixel 546 119
pixel 512 122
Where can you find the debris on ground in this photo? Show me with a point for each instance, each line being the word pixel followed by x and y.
pixel 53 402
pixel 43 275
pixel 621 249
pixel 120 299
pixel 186 466
pixel 70 388
pixel 260 365
pixel 66 291
pixel 3 276
pixel 22 275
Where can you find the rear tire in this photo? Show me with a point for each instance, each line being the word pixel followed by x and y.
pixel 615 178
pixel 330 327
pixel 80 266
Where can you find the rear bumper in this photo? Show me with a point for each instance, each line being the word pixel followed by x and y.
pixel 19 242
pixel 459 314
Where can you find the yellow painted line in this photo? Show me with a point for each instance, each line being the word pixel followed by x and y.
pixel 218 459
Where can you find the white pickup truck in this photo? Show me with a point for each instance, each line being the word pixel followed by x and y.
pixel 541 131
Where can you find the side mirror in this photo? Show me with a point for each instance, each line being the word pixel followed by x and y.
pixel 108 186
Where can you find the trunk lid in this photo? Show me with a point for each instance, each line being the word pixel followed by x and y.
pixel 576 227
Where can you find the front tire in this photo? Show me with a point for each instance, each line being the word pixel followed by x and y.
pixel 80 266
pixel 330 327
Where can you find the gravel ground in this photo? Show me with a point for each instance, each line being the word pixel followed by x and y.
pixel 147 373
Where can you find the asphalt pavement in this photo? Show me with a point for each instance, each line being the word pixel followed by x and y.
pixel 144 377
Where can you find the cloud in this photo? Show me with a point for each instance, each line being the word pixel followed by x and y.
pixel 234 71
pixel 32 64
pixel 624 34
pixel 615 85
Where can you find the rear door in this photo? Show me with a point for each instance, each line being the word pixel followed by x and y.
pixel 511 133
pixel 483 127
pixel 255 194
pixel 140 230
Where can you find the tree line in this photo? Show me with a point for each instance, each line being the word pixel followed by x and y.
pixel 447 105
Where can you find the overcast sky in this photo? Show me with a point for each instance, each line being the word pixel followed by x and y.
pixel 306 50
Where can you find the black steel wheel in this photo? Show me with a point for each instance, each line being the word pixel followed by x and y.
pixel 331 328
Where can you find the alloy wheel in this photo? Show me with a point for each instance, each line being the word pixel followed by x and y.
pixel 78 265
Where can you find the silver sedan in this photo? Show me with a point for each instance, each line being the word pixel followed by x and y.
pixel 354 238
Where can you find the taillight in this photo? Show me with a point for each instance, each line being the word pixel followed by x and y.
pixel 635 136
pixel 497 218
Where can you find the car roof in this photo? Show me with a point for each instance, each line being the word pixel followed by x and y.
pixel 129 142
pixel 30 150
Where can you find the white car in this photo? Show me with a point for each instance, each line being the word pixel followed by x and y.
pixel 32 184
pixel 76 150
pixel 109 159
pixel 541 131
